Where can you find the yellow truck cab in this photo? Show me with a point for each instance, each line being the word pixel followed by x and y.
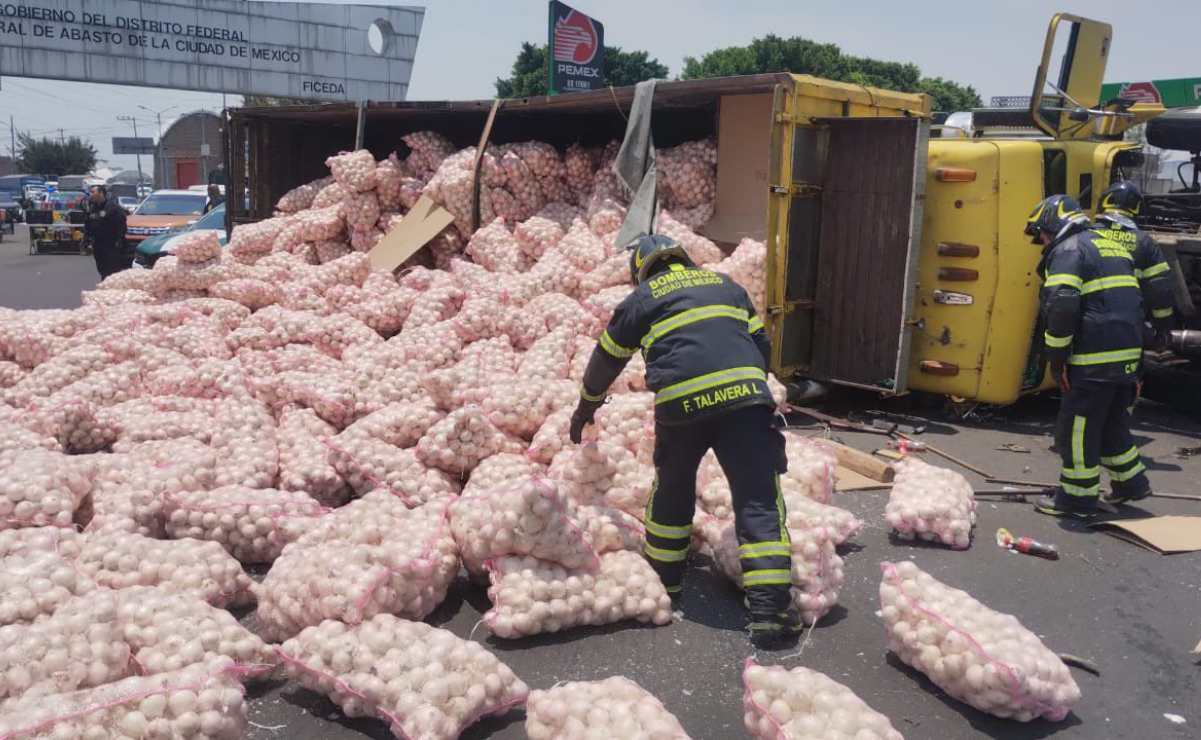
pixel 952 312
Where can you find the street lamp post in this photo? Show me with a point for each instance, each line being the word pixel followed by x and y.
pixel 134 121
pixel 158 143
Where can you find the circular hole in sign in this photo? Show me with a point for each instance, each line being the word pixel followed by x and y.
pixel 379 36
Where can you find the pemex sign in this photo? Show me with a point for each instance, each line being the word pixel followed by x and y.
pixel 1184 92
pixel 315 51
pixel 575 50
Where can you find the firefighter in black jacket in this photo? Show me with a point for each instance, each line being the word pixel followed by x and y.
pixel 1092 311
pixel 706 356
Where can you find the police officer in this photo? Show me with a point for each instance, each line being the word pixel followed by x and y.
pixel 105 226
pixel 1092 313
pixel 706 357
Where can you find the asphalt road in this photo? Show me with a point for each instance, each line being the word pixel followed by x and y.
pixel 1133 612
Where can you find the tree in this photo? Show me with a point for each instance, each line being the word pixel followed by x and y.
pixel 48 157
pixel 621 68
pixel 269 101
pixel 772 53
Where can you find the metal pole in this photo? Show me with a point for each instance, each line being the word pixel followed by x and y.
pixel 361 125
pixel 12 132
pixel 134 121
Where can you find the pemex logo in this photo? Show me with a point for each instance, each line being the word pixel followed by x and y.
pixel 575 38
pixel 1140 92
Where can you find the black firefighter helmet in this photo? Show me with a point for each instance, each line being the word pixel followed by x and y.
pixel 649 250
pixel 1124 197
pixel 1053 215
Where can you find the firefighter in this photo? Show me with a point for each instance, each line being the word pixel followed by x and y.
pixel 1120 203
pixel 706 356
pixel 1092 313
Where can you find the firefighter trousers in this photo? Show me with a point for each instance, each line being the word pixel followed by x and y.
pixel 751 453
pixel 1093 432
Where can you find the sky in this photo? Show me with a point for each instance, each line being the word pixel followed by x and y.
pixel 464 46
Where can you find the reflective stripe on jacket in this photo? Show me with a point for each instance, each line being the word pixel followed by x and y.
pixel 705 348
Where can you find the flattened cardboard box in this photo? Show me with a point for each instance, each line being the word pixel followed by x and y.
pixel 1165 535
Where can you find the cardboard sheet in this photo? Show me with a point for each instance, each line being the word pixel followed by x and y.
pixel 1165 535
pixel 848 480
pixel 415 230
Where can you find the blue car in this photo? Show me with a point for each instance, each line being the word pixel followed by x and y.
pixel 151 248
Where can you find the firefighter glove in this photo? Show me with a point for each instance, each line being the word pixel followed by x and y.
pixel 582 417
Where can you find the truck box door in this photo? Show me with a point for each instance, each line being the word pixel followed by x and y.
pixel 843 238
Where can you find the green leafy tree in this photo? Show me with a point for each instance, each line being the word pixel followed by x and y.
pixel 72 156
pixel 528 77
pixel 772 53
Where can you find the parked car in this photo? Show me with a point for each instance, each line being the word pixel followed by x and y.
pixel 162 212
pixel 150 249
pixel 10 204
pixel 128 202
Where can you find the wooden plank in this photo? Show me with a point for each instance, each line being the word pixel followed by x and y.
pixel 475 167
pixel 860 462
pixel 415 230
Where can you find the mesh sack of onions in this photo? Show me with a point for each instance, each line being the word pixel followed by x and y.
pixel 427 149
pixel 606 213
pixel 36 584
pixel 301 197
pixel 115 297
pixel 804 513
pixel 612 272
pixel 688 173
pixel 610 529
pixel 479 282
pixel 579 165
pixel 40 540
pixel 817 570
pixel 460 441
pixel 802 703
pixel 701 250
pixel 628 420
pixel 16 437
pixel 200 701
pixel 211 379
pixel 128 280
pixel 175 275
pixel 398 424
pixel 428 348
pixel 931 503
pixel 549 357
pixel 129 486
pixel 329 250
pixel 551 438
pixel 436 304
pixel 253 525
pixel 523 184
pixel 390 174
pixel 251 293
pixel 979 656
pixel 249 242
pixel 531 596
pixel 339 334
pixel 602 303
pixel 41 488
pixel 58 372
pixel 553 273
pixel 76 426
pixel 500 470
pixel 10 374
pixel 423 681
pixel 747 266
pixel 331 194
pixel 613 707
pixel 587 472
pixel 203 569
pixel 536 235
pixel 583 248
pixel 63 652
pixel 330 396
pixel 520 407
pixel 353 170
pixel 696 217
pixel 367 463
pixel 495 249
pixel 361 210
pixel 302 458
pixel 196 247
pixel 384 312
pixel 481 318
pixel 526 517
pixel 168 632
pixel 467 383
pixel 811 467
pixel 320 577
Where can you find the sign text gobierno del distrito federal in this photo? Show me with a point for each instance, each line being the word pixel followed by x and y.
pixel 296 50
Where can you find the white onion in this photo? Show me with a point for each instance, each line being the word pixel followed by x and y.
pixel 931 503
